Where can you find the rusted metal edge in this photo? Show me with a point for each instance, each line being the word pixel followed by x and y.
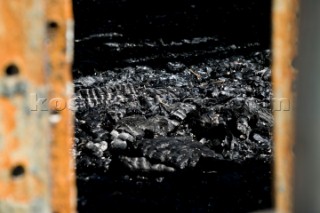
pixel 24 130
pixel 60 46
pixel 284 38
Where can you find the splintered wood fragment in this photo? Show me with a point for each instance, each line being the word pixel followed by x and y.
pixel 198 76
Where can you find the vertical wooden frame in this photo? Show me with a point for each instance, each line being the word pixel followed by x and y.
pixel 60 47
pixel 24 126
pixel 284 37
pixel 36 117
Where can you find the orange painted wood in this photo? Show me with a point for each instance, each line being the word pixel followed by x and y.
pixel 284 50
pixel 24 130
pixel 60 46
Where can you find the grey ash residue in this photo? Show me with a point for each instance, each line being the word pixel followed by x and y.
pixel 173 105
pixel 176 117
pixel 175 130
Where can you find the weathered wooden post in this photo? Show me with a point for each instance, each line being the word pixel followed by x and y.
pixel 36 166
pixel 284 23
pixel 60 46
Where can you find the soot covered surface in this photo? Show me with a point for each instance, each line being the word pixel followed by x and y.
pixel 173 105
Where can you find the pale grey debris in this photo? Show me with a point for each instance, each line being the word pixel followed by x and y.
pixel 126 137
pixel 97 148
pixel 114 134
pixel 118 144
pixel 142 164
pixel 179 152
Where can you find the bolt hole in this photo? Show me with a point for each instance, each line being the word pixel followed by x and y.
pixel 55 112
pixel 12 69
pixel 17 171
pixel 52 25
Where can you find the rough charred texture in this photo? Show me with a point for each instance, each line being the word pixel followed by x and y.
pixel 204 117
pixel 179 152
pixel 220 104
pixel 162 113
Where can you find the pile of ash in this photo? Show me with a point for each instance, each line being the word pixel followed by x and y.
pixel 141 127
pixel 217 109
pixel 173 105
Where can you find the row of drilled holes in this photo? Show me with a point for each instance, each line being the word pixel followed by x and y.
pixel 12 70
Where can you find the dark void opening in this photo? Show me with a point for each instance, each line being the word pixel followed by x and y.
pixel 173 105
pixel 117 33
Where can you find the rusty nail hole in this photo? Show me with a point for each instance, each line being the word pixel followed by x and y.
pixel 52 25
pixel 17 171
pixel 12 69
pixel 55 112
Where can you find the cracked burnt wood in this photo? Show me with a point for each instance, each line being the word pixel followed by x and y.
pixel 172 114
